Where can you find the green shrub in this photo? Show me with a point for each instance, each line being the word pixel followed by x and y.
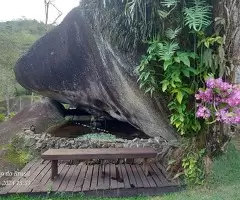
pixel 16 152
pixel 12 114
pixel 2 117
pixel 2 110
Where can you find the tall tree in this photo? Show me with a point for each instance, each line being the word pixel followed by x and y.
pixel 227 15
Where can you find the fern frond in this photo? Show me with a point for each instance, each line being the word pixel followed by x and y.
pixel 172 34
pixel 198 17
pixel 167 49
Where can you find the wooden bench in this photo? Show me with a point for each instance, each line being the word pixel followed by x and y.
pixel 102 154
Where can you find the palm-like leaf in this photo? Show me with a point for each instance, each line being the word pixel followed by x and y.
pixel 167 50
pixel 198 17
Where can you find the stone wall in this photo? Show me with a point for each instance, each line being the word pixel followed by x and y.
pixel 42 142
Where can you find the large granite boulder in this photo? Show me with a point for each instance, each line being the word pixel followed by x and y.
pixel 74 64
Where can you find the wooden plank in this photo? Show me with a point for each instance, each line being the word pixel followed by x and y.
pixel 25 169
pixel 113 178
pixel 131 177
pixel 94 181
pixel 102 153
pixel 81 179
pixel 67 178
pixel 145 178
pixel 106 184
pixel 73 180
pixel 17 186
pixel 40 176
pixel 149 178
pixel 155 177
pixel 119 177
pixel 101 174
pixel 29 180
pixel 88 178
pixel 164 172
pixel 160 175
pixel 125 176
pixel 43 181
pixel 142 176
pixel 137 177
pixel 46 182
pixel 58 181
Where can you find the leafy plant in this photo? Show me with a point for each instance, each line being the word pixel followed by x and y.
pixel 2 117
pixel 197 17
pixel 187 163
pixel 193 167
pixel 12 114
pixel 17 153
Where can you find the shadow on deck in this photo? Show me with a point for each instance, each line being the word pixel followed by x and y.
pixel 112 180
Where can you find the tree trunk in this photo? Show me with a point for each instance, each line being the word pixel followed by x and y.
pixel 229 11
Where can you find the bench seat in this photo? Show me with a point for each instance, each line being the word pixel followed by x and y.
pixel 102 153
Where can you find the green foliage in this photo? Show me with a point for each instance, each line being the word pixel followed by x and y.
pixel 188 163
pixel 16 153
pixel 175 69
pixel 2 117
pixel 2 110
pixel 198 16
pixel 171 69
pixel 16 37
pixel 193 166
pixel 12 114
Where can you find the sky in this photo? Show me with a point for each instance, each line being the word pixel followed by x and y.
pixel 34 9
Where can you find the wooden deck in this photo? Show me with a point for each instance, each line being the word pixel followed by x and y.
pixel 114 180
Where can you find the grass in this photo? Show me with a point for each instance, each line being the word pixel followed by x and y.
pixel 222 184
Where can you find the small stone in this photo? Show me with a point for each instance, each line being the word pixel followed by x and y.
pixel 62 145
pixel 119 145
pixel 71 142
pixel 38 146
pixel 105 146
pixel 133 145
pixel 29 132
pixel 150 140
pixel 135 139
pixel 147 145
pixel 156 146
pixel 158 139
pixel 139 145
pixel 37 135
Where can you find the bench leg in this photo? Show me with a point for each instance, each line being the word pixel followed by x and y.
pixel 54 168
pixel 145 166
